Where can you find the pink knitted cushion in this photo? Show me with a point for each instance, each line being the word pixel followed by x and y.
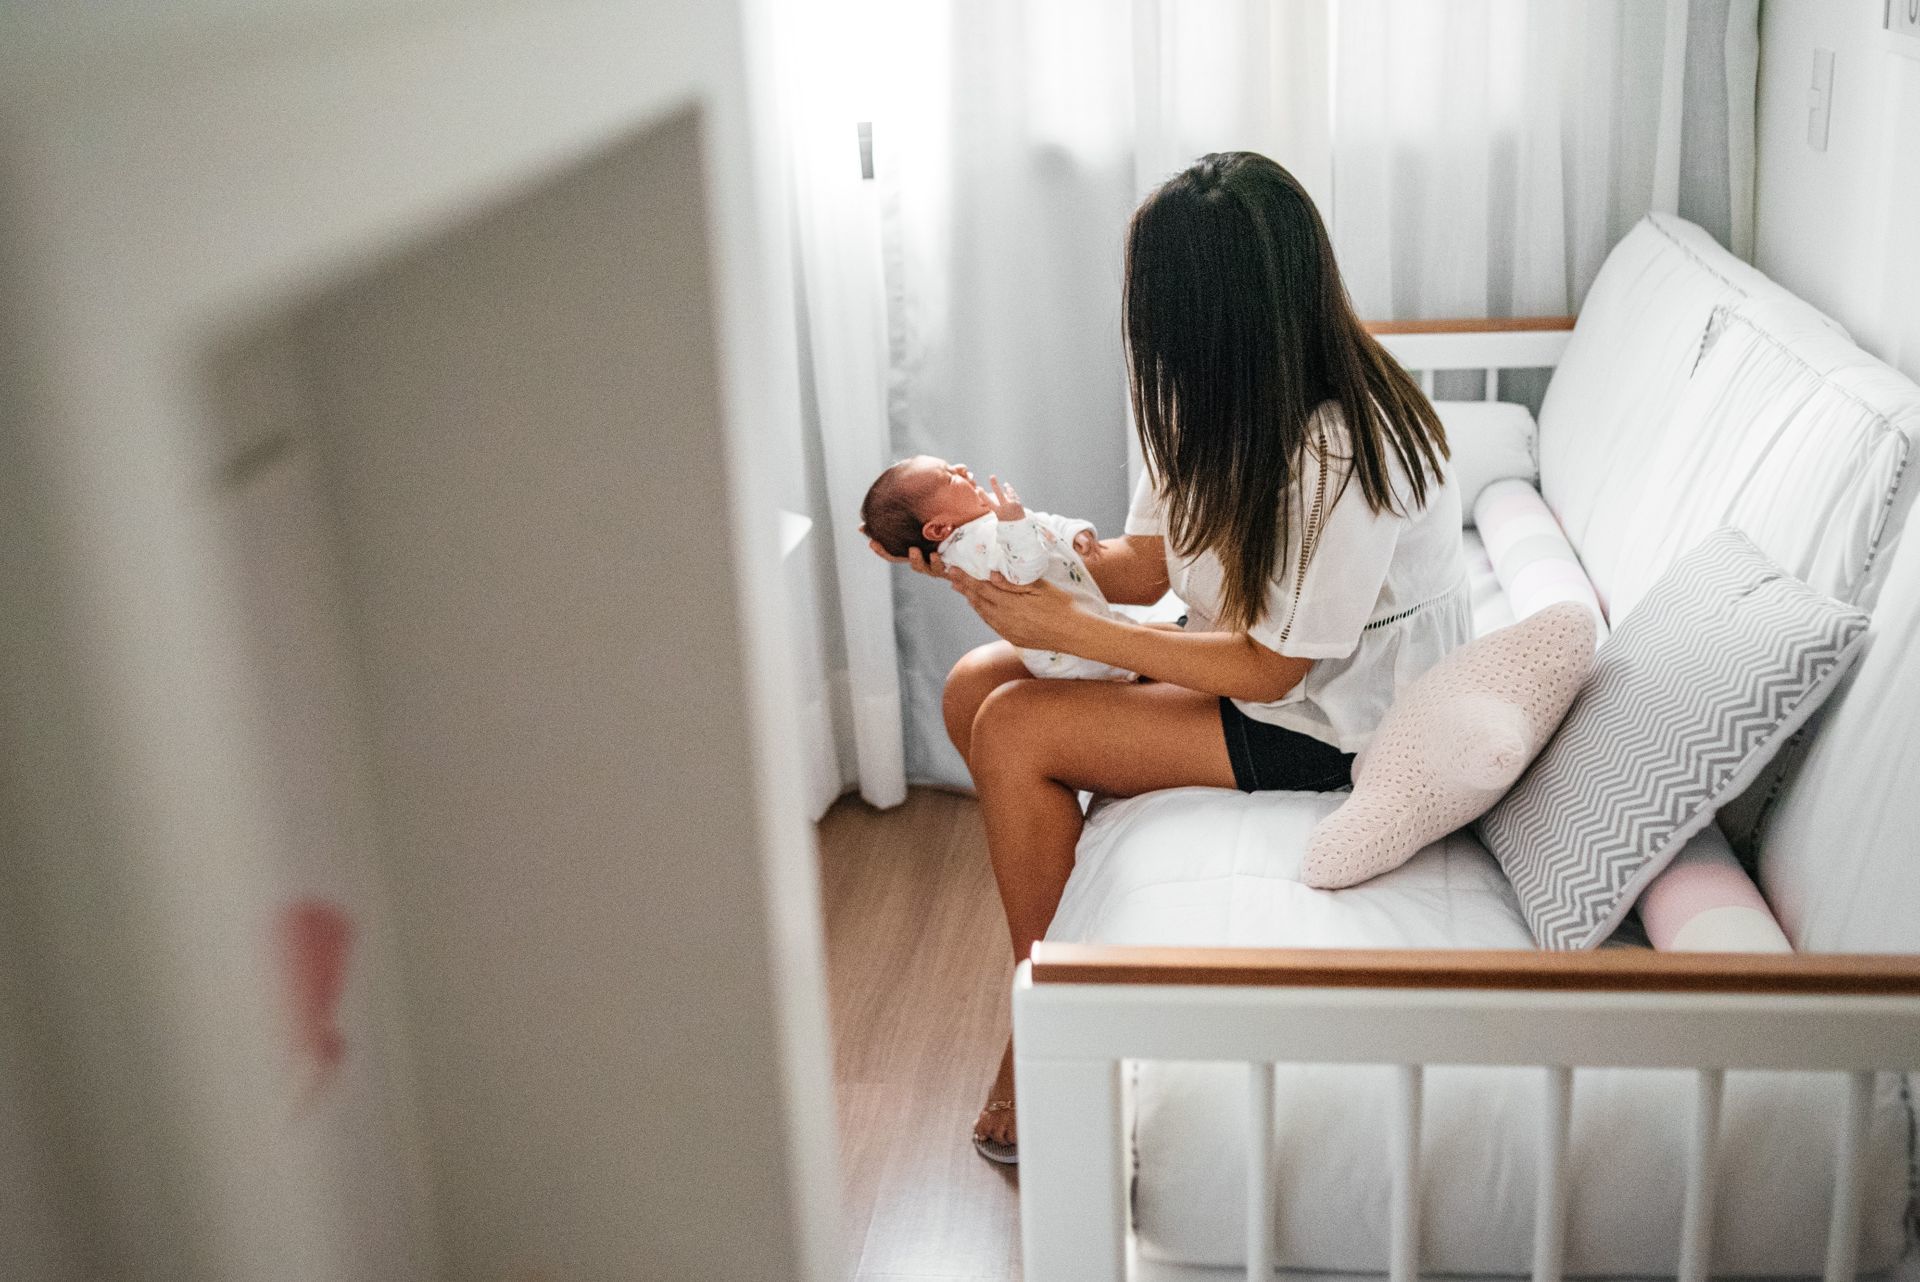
pixel 1453 743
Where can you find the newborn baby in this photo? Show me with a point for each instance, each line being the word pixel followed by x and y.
pixel 936 506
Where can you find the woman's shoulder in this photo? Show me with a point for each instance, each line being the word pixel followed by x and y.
pixel 1328 417
pixel 1329 424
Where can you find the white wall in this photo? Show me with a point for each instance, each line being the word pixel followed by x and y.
pixel 520 446
pixel 1830 225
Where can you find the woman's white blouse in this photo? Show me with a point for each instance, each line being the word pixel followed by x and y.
pixel 1383 598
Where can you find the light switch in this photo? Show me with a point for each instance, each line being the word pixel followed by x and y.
pixel 1903 18
pixel 1820 99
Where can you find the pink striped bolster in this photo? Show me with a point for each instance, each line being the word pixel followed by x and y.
pixel 1531 557
pixel 1544 583
pixel 1510 531
pixel 1704 901
pixel 1504 503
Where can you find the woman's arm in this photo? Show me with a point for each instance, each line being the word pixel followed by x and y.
pixel 1131 570
pixel 1223 663
pixel 1042 616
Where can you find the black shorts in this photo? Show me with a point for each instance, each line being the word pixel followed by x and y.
pixel 1268 757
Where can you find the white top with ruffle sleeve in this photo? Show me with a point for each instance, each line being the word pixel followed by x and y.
pixel 1382 597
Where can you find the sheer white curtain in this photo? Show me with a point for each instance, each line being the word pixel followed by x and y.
pixel 1488 155
pixel 1472 158
pixel 846 599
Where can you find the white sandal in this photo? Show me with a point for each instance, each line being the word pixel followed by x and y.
pixel 993 1150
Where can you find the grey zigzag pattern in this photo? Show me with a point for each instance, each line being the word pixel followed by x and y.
pixel 1694 683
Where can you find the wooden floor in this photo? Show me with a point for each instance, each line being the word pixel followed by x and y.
pixel 918 968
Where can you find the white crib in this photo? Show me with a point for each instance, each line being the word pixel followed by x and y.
pixel 1079 1011
pixel 1090 1002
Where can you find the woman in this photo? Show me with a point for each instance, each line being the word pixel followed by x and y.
pixel 1293 498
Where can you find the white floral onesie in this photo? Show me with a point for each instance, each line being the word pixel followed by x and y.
pixel 1039 546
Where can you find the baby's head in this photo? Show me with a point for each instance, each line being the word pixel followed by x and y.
pixel 918 502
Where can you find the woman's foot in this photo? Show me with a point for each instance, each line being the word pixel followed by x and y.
pixel 995 1133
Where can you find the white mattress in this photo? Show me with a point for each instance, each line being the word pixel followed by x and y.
pixel 1205 866
pixel 1208 866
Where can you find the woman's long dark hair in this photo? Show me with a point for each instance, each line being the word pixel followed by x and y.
pixel 1237 328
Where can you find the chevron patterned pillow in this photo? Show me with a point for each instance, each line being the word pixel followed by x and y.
pixel 1723 659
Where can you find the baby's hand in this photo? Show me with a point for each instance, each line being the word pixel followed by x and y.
pixel 1086 543
pixel 1004 502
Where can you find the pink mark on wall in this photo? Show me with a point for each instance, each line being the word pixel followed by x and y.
pixel 315 938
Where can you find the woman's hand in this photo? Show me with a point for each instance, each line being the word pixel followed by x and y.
pixel 934 567
pixel 1036 616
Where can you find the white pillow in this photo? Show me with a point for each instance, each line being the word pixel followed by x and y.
pixel 1489 441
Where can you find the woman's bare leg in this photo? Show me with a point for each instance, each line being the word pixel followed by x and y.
pixel 1033 746
pixel 980 672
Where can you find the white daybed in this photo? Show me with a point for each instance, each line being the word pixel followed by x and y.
pixel 1692 393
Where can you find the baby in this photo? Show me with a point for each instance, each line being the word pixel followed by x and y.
pixel 936 506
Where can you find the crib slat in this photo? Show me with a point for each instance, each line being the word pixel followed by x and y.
pixel 1849 1175
pixel 1493 382
pixel 1073 1185
pixel 1550 1197
pixel 1696 1228
pixel 1404 1251
pixel 1259 1173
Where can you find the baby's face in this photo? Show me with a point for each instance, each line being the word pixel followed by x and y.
pixel 950 498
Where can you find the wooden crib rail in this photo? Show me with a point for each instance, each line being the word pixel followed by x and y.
pixel 1470 325
pixel 1081 1010
pixel 1489 345
pixel 1611 970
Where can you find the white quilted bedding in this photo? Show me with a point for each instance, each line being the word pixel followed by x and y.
pixel 1205 866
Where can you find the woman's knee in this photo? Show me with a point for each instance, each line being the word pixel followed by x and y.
pixel 1007 730
pixel 977 675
